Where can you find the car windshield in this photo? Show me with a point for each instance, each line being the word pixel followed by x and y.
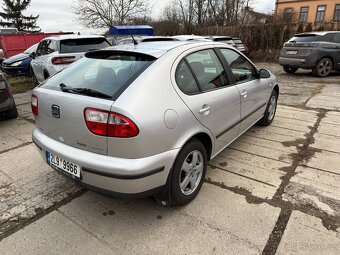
pixel 83 45
pixel 305 38
pixel 31 49
pixel 107 72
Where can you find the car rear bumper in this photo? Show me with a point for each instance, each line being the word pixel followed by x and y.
pixel 300 62
pixel 129 177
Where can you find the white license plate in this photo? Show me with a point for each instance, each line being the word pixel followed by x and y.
pixel 292 52
pixel 64 165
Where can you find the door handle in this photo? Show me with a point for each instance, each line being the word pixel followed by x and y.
pixel 205 110
pixel 244 94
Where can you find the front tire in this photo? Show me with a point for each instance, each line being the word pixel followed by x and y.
pixel 269 114
pixel 323 68
pixel 290 69
pixel 34 78
pixel 188 172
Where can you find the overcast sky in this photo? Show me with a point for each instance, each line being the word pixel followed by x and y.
pixel 56 15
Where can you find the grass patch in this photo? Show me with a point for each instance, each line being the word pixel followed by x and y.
pixel 20 84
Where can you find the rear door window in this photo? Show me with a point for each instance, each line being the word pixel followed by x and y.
pixel 208 69
pixel 107 72
pixel 82 45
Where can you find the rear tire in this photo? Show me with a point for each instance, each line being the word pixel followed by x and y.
pixel 323 68
pixel 290 69
pixel 269 114
pixel 188 172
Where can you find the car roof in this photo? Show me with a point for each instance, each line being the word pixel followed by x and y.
pixel 72 36
pixel 159 48
pixel 317 33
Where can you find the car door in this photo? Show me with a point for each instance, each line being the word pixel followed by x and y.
pixel 210 95
pixel 336 56
pixel 254 91
pixel 38 61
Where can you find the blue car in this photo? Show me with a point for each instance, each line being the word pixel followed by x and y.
pixel 19 64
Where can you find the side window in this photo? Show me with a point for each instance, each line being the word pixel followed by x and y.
pixel 51 46
pixel 241 68
pixel 185 80
pixel 208 70
pixel 40 48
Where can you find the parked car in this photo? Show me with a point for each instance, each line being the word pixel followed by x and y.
pixel 319 51
pixel 8 109
pixel 145 119
pixel 222 39
pixel 55 53
pixel 240 45
pixel 19 64
pixel 139 39
pixel 189 38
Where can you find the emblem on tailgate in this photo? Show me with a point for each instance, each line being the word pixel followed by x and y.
pixel 56 111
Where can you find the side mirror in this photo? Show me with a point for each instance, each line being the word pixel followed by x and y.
pixel 33 55
pixel 264 74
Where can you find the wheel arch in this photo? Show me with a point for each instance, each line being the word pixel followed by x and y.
pixel 206 140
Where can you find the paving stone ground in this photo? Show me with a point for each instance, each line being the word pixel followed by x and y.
pixel 273 191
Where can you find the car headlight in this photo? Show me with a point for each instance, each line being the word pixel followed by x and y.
pixel 16 63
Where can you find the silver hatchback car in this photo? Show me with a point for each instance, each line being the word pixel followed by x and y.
pixel 144 120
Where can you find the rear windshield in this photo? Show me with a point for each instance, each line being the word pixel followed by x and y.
pixel 82 45
pixel 227 40
pixel 305 38
pixel 109 73
pixel 158 39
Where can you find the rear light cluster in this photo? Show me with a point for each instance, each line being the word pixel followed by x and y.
pixel 110 124
pixel 5 92
pixel 63 60
pixel 35 105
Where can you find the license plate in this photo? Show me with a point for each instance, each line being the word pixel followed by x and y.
pixel 64 165
pixel 292 52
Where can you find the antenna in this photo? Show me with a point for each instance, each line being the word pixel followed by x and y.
pixel 133 39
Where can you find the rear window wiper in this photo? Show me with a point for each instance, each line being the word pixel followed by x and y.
pixel 84 91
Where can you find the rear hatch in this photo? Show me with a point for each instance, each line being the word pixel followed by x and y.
pixel 73 104
pixel 300 45
pixel 73 49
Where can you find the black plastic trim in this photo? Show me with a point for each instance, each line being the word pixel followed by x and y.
pixel 125 177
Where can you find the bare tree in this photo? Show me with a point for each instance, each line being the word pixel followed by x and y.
pixel 106 13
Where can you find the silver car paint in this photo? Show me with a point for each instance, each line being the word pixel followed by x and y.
pixel 166 117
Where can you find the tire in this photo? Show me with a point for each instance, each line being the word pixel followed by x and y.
pixel 269 114
pixel 34 78
pixel 13 113
pixel 290 69
pixel 185 184
pixel 323 68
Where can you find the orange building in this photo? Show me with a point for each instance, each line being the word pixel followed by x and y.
pixel 308 10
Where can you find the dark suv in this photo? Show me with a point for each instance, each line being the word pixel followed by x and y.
pixel 319 51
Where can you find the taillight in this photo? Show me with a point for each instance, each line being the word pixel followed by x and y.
pixel 5 92
pixel 63 60
pixel 110 124
pixel 35 105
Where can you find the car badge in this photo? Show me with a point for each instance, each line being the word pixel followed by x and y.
pixel 56 111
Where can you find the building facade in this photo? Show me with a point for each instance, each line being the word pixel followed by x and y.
pixel 308 10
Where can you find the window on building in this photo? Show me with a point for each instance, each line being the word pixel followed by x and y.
pixel 304 14
pixel 288 15
pixel 337 12
pixel 320 14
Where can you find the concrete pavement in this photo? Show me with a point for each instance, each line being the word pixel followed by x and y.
pixel 274 191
